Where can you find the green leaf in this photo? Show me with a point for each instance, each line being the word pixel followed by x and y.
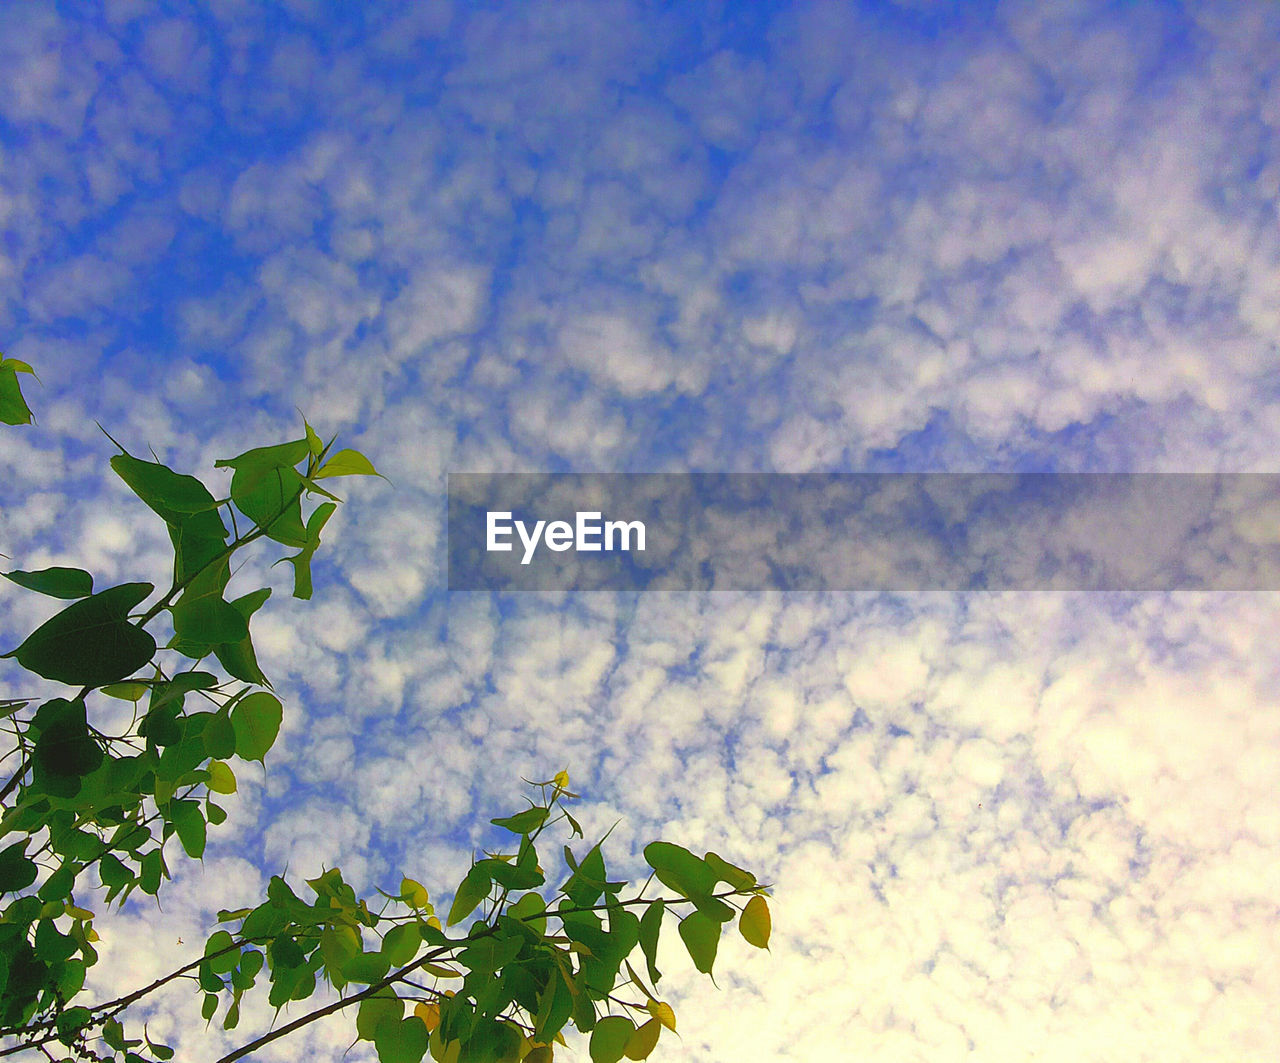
pixel 525 822
pixel 650 925
pixel 724 871
pixel 220 736
pixel 400 944
pixel 414 893
pixel 133 692
pixel 16 871
pixel 171 495
pixel 90 643
pixel 313 440
pixel 64 752
pixel 555 1005
pixel 228 960
pixel 271 498
pixel 644 1040
pixel 512 876
pixel 490 954
pixel 610 1037
pixel 262 459
pixel 347 463
pixel 701 936
pixel 587 882
pixel 55 582
pixel 13 407
pixel 301 561
pixel 382 1005
pixel 60 883
pixel 678 868
pixel 70 1022
pixel 471 891
pixel 529 909
pixel 189 823
pixel 256 721
pixel 238 658
pixel 208 619
pixel 755 923
pixel 366 967
pixel 401 1040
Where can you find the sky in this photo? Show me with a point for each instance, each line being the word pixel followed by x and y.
pixel 820 237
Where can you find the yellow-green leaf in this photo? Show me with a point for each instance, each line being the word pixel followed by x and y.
pixel 347 463
pixel 222 780
pixel 134 692
pixel 661 1011
pixel 644 1040
pixel 755 923
pixel 429 1013
pixel 414 893
pixel 610 1038
pixel 440 971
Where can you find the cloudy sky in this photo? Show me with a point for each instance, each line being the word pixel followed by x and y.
pixel 627 237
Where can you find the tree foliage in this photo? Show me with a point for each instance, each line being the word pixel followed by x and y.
pixel 87 811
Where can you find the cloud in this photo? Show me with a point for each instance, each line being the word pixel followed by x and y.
pixel 568 236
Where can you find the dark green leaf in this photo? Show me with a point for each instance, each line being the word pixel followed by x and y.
pixel 53 946
pixel 90 643
pixel 55 582
pixel 64 752
pixel 71 1022
pixel 16 871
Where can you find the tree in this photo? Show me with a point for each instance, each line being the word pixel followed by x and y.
pixel 84 810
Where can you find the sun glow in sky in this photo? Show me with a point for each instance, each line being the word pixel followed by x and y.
pixel 611 236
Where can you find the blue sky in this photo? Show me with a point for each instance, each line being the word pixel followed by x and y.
pixel 610 236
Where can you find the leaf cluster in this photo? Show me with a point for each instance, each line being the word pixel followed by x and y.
pixel 87 809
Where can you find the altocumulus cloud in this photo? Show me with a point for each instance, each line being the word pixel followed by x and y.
pixel 785 238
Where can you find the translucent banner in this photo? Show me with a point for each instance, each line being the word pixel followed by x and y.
pixel 864 532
